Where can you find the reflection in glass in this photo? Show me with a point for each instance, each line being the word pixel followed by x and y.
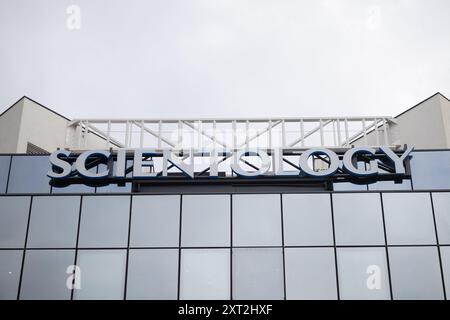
pixel 258 273
pixel 358 219
pixel 104 221
pixel 114 188
pixel 307 219
pixel 415 273
pixel 44 274
pixel 10 264
pixel 310 273
pixel 430 170
pixel 205 274
pixel 29 175
pixel 13 221
pixel 155 221
pixel 256 220
pixel 409 219
pixel 4 171
pixel 206 221
pixel 152 274
pixel 363 273
pixel 54 222
pixel 441 203
pixel 102 274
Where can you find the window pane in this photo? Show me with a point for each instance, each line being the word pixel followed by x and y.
pixel 256 220
pixel 409 219
pixel 102 274
pixel 441 203
pixel 29 174
pixel 53 222
pixel 205 274
pixel 44 274
pixel 348 186
pixel 358 219
pixel 10 264
pixel 13 221
pixel 445 256
pixel 152 274
pixel 430 170
pixel 307 219
pixel 112 188
pixel 4 171
pixel 206 221
pixel 310 273
pixel 390 185
pixel 363 273
pixel 415 273
pixel 73 188
pixel 104 221
pixel 258 273
pixel 155 221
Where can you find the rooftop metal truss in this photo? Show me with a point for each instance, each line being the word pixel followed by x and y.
pixel 232 134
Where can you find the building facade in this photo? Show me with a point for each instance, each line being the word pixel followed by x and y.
pixel 384 235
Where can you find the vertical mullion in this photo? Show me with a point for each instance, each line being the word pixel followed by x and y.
pixel 438 247
pixel 77 240
pixel 128 250
pixel 9 173
pixel 231 246
pixel 282 245
pixel 386 247
pixel 334 247
pixel 24 248
pixel 179 247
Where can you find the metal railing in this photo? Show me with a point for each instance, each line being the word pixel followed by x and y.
pixel 269 133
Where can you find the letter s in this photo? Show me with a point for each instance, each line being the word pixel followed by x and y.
pixel 55 161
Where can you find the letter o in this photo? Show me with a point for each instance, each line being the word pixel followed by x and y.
pixel 334 162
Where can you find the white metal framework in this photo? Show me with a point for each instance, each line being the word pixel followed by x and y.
pixel 286 133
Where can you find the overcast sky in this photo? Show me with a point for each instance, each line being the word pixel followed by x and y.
pixel 217 58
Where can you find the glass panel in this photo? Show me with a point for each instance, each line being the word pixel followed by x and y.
pixel 441 203
pixel 205 274
pixel 155 221
pixel 206 221
pixel 445 257
pixel 44 274
pixel 409 219
pixel 430 170
pixel 363 273
pixel 256 220
pixel 310 273
pixel 102 274
pixel 348 186
pixel 4 171
pixel 104 221
pixel 10 264
pixel 73 188
pixel 112 188
pixel 13 221
pixel 390 185
pixel 29 174
pixel 152 274
pixel 258 273
pixel 307 220
pixel 54 222
pixel 415 273
pixel 358 219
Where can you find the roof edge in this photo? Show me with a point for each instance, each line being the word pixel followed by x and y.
pixel 39 104
pixel 417 104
